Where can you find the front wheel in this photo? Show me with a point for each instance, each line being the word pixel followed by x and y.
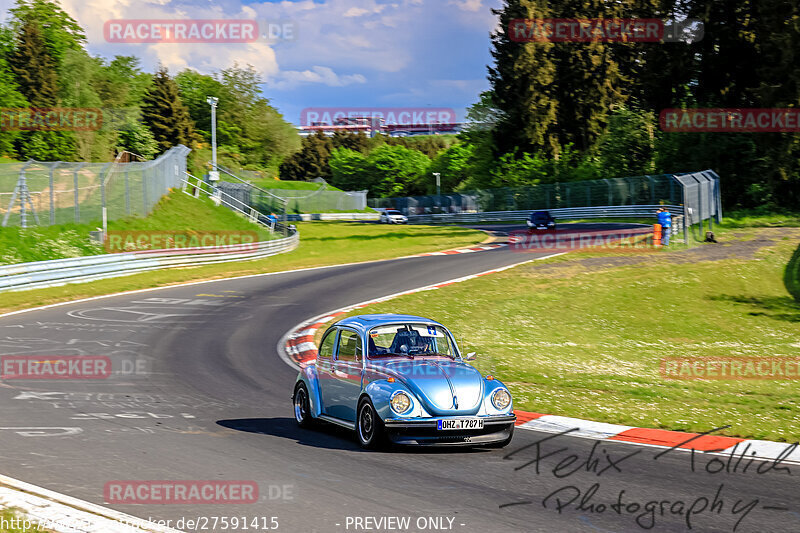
pixel 302 406
pixel 369 426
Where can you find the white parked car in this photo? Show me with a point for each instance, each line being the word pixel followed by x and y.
pixel 390 216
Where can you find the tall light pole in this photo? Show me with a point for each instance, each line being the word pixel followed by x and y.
pixel 438 190
pixel 214 174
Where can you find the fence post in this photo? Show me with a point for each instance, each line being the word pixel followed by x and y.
pixel 53 194
pixel 77 194
pixel 610 193
pixel 103 206
pixel 127 191
pixel 652 189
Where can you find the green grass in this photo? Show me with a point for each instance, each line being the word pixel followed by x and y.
pixel 286 185
pixel 175 212
pixel 321 244
pixel 10 516
pixel 588 343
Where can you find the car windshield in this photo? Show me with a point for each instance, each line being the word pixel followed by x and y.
pixel 541 217
pixel 393 213
pixel 410 340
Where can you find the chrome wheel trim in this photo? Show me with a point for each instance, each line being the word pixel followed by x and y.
pixel 300 412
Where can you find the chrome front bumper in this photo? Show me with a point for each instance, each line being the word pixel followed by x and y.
pixel 423 431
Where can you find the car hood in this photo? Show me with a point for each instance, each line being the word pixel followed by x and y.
pixel 443 386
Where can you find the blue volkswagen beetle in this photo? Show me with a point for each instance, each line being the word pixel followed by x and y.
pixel 401 379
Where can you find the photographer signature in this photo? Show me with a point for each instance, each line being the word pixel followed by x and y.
pixel 645 512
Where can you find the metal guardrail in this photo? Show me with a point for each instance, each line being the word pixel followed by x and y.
pixel 570 213
pixel 40 274
pixel 333 216
pixel 58 272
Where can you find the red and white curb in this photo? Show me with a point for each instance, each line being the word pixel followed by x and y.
pixel 298 349
pixel 480 248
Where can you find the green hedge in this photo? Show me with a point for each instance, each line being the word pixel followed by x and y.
pixel 791 278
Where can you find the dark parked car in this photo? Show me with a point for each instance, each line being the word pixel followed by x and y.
pixel 541 220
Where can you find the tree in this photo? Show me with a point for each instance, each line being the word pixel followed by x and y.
pixel 348 169
pixel 628 147
pixel 522 80
pixel 121 83
pixel 33 67
pixel 246 124
pixel 312 161
pixel 165 114
pixel 60 31
pixel 454 165
pixel 10 97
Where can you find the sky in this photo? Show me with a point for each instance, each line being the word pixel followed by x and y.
pixel 343 53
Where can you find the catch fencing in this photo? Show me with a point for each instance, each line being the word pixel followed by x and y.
pixel 572 213
pixel 697 192
pixel 38 193
pixel 321 200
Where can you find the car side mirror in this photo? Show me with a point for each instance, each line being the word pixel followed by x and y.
pixel 471 356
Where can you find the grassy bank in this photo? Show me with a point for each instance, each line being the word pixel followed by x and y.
pixel 584 336
pixel 176 212
pixel 321 243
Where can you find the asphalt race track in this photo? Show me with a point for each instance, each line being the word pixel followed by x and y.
pixel 205 396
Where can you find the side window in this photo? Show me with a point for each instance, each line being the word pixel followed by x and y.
pixel 349 347
pixel 326 347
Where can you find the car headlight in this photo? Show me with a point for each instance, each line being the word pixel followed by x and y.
pixel 501 399
pixel 400 403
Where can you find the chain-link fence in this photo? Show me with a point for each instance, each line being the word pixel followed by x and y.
pixel 637 190
pixel 48 193
pixel 321 200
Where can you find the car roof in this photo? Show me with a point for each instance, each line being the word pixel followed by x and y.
pixel 362 323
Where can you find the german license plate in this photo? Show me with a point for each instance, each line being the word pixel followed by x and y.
pixel 461 423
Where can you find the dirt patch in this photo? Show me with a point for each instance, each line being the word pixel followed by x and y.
pixel 725 249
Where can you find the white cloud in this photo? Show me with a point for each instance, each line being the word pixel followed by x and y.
pixel 467 5
pixel 289 79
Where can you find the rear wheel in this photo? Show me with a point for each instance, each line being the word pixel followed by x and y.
pixel 369 426
pixel 302 406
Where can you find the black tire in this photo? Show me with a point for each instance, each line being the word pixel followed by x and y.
pixel 369 426
pixel 302 406
pixel 502 443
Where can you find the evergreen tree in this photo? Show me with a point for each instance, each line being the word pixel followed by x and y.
pixel 33 67
pixel 165 114
pixel 587 84
pixel 522 80
pixel 312 161
pixel 10 97
pixel 60 31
